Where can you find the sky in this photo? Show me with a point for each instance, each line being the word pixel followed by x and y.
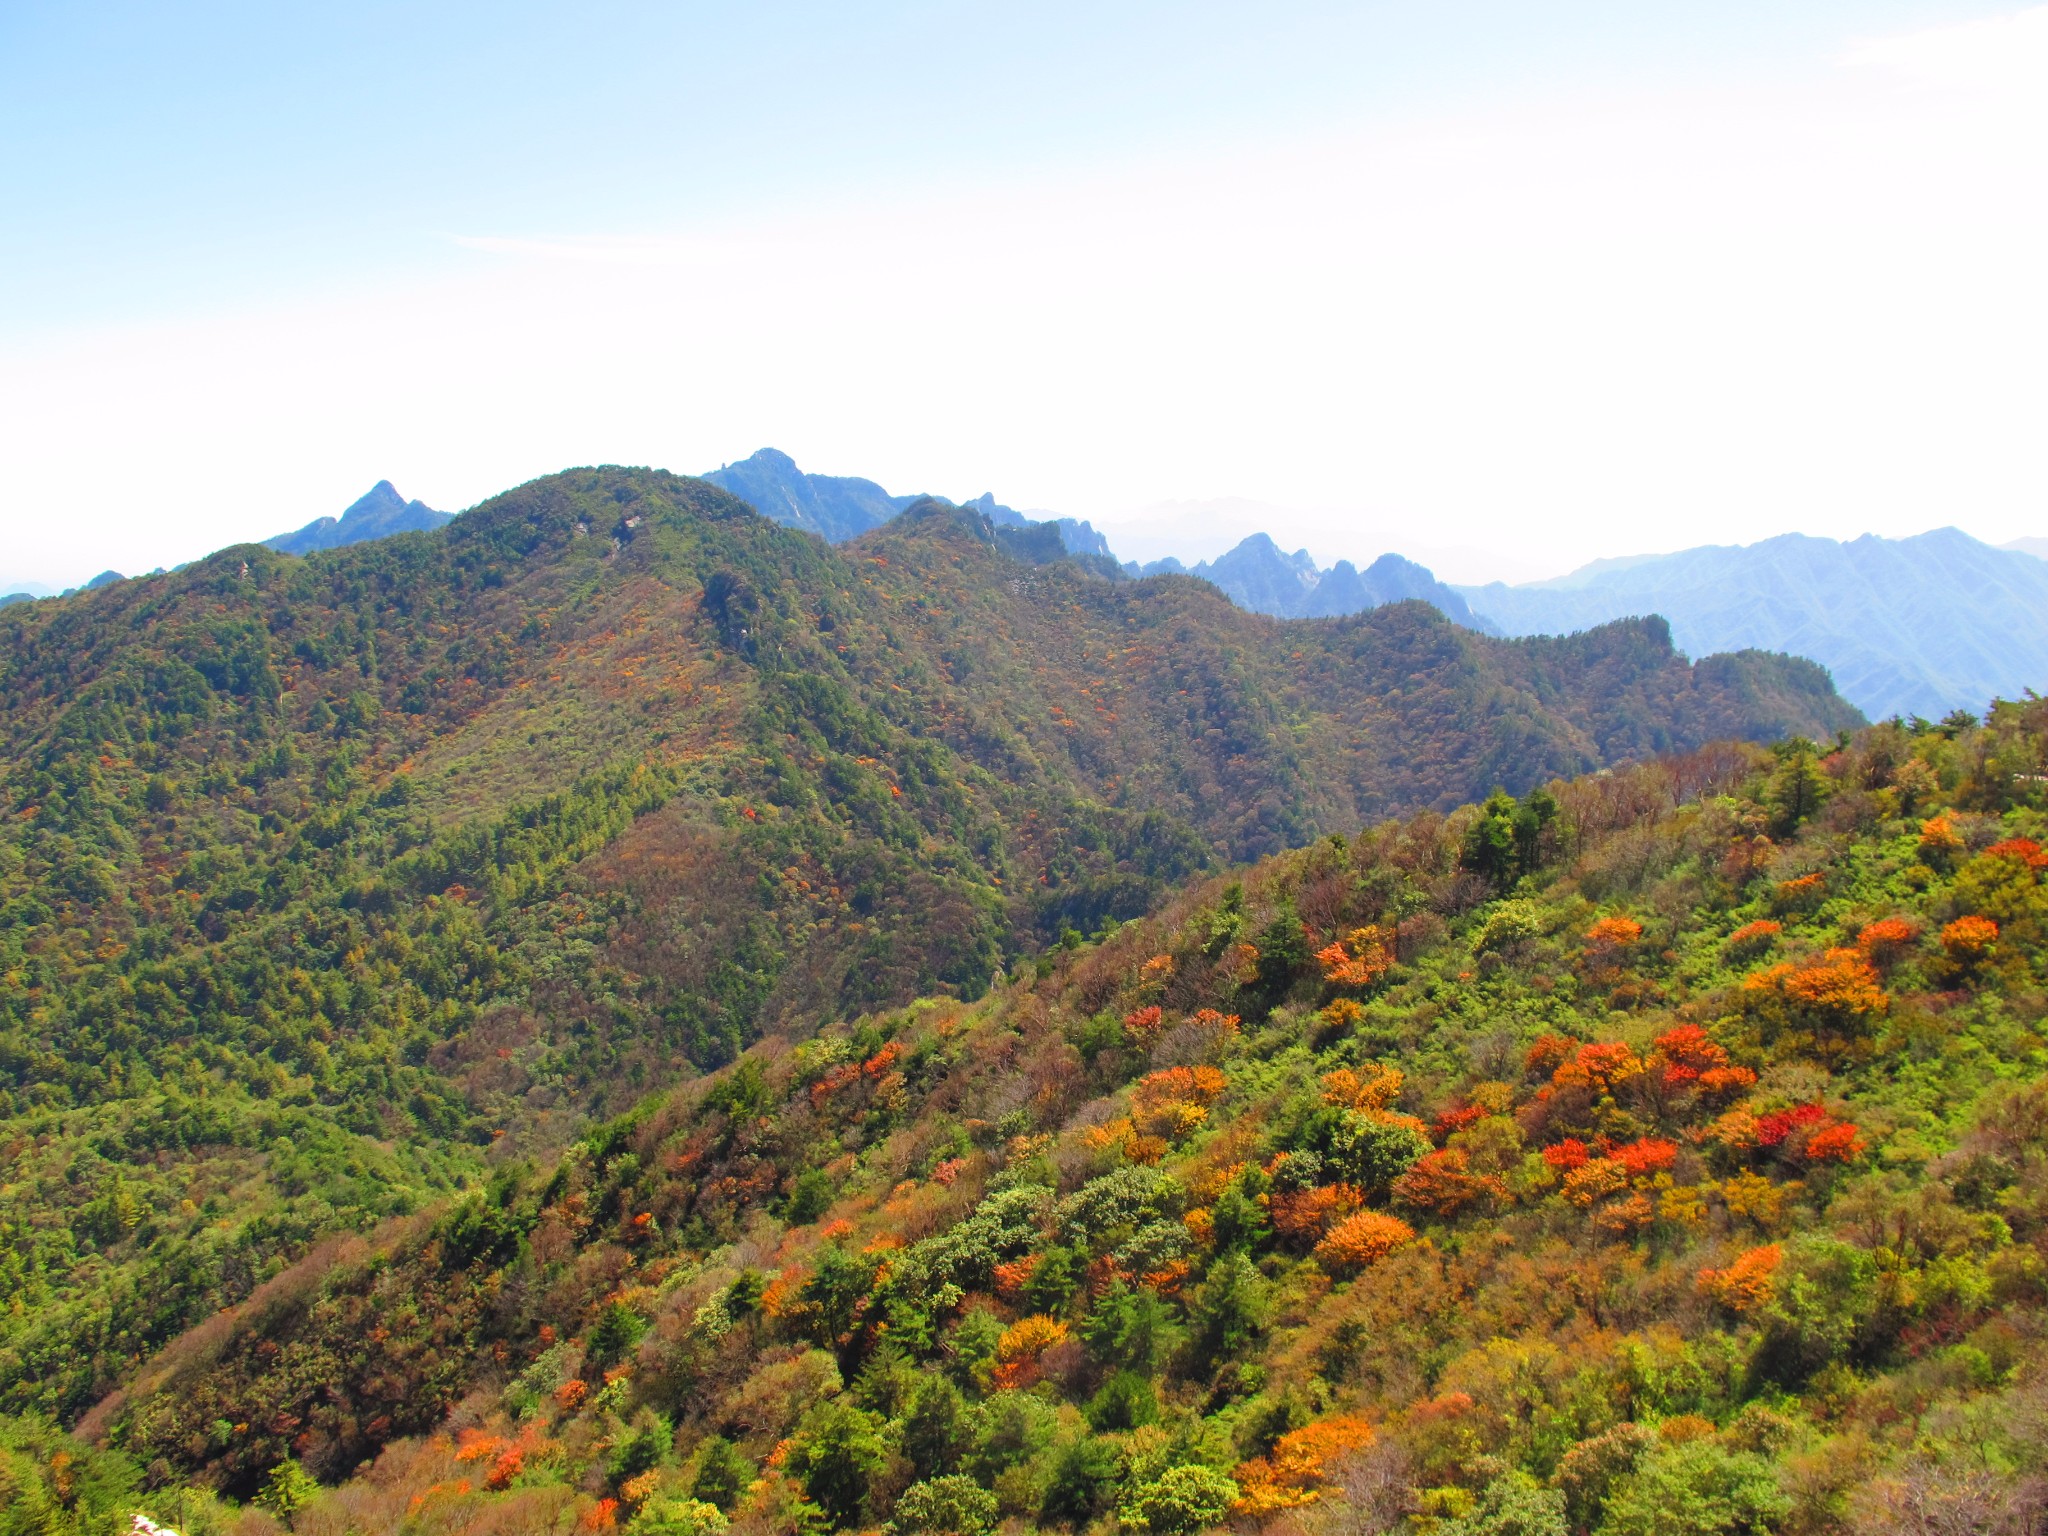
pixel 1501 287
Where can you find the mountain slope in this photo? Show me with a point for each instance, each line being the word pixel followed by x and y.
pixel 377 514
pixel 1258 576
pixel 320 878
pixel 1663 1153
pixel 1918 626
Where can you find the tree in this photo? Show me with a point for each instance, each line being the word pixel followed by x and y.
pixel 288 1489
pixel 1181 1501
pixel 1512 1504
pixel 838 1451
pixel 1533 816
pixel 1697 1488
pixel 1125 1401
pixel 1230 1308
pixel 1489 848
pixel 1362 1240
pixel 1371 1149
pixel 1796 789
pixel 722 1474
pixel 933 1435
pixel 946 1506
pixel 677 1517
pixel 1129 1328
pixel 617 1330
pixel 642 1448
pixel 1083 1477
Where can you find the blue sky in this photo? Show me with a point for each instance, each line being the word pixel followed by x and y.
pixel 1124 261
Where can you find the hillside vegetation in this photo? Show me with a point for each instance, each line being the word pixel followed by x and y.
pixel 320 879
pixel 330 883
pixel 1661 1151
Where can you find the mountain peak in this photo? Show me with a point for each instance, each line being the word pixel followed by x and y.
pixel 378 513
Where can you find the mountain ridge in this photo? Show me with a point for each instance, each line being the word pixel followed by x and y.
pixel 379 855
pixel 1918 626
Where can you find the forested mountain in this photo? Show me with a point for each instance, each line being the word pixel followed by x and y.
pixel 1661 1153
pixel 377 514
pixel 321 877
pixel 1918 626
pixel 1258 576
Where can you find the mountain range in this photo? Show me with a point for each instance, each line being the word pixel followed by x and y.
pixel 1258 576
pixel 1920 627
pixel 840 507
pixel 1917 626
pixel 612 1013
pixel 472 831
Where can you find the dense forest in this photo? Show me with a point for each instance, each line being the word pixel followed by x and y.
pixel 328 884
pixel 338 889
pixel 1661 1150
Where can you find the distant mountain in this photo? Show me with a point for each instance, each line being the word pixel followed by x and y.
pixel 2035 547
pixel 834 507
pixel 1918 626
pixel 841 507
pixel 1258 576
pixel 380 513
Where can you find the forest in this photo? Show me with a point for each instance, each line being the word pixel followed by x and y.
pixel 1659 1150
pixel 429 964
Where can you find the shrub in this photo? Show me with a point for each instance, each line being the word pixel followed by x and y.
pixel 1751 938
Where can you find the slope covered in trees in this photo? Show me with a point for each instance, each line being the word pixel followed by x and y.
pixel 1662 1151
pixel 325 881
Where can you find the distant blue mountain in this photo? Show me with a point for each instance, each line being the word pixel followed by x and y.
pixel 841 507
pixel 1257 575
pixel 378 514
pixel 1918 626
pixel 834 507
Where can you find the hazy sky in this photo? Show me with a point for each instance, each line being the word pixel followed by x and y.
pixel 1501 286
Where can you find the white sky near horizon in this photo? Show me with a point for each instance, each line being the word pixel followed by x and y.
pixel 1501 309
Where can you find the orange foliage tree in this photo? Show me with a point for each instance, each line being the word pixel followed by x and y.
pixel 1297 1469
pixel 1359 1241
pixel 1748 1283
pixel 1968 940
pixel 1358 959
pixel 1442 1183
pixel 1372 1087
pixel 1304 1215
